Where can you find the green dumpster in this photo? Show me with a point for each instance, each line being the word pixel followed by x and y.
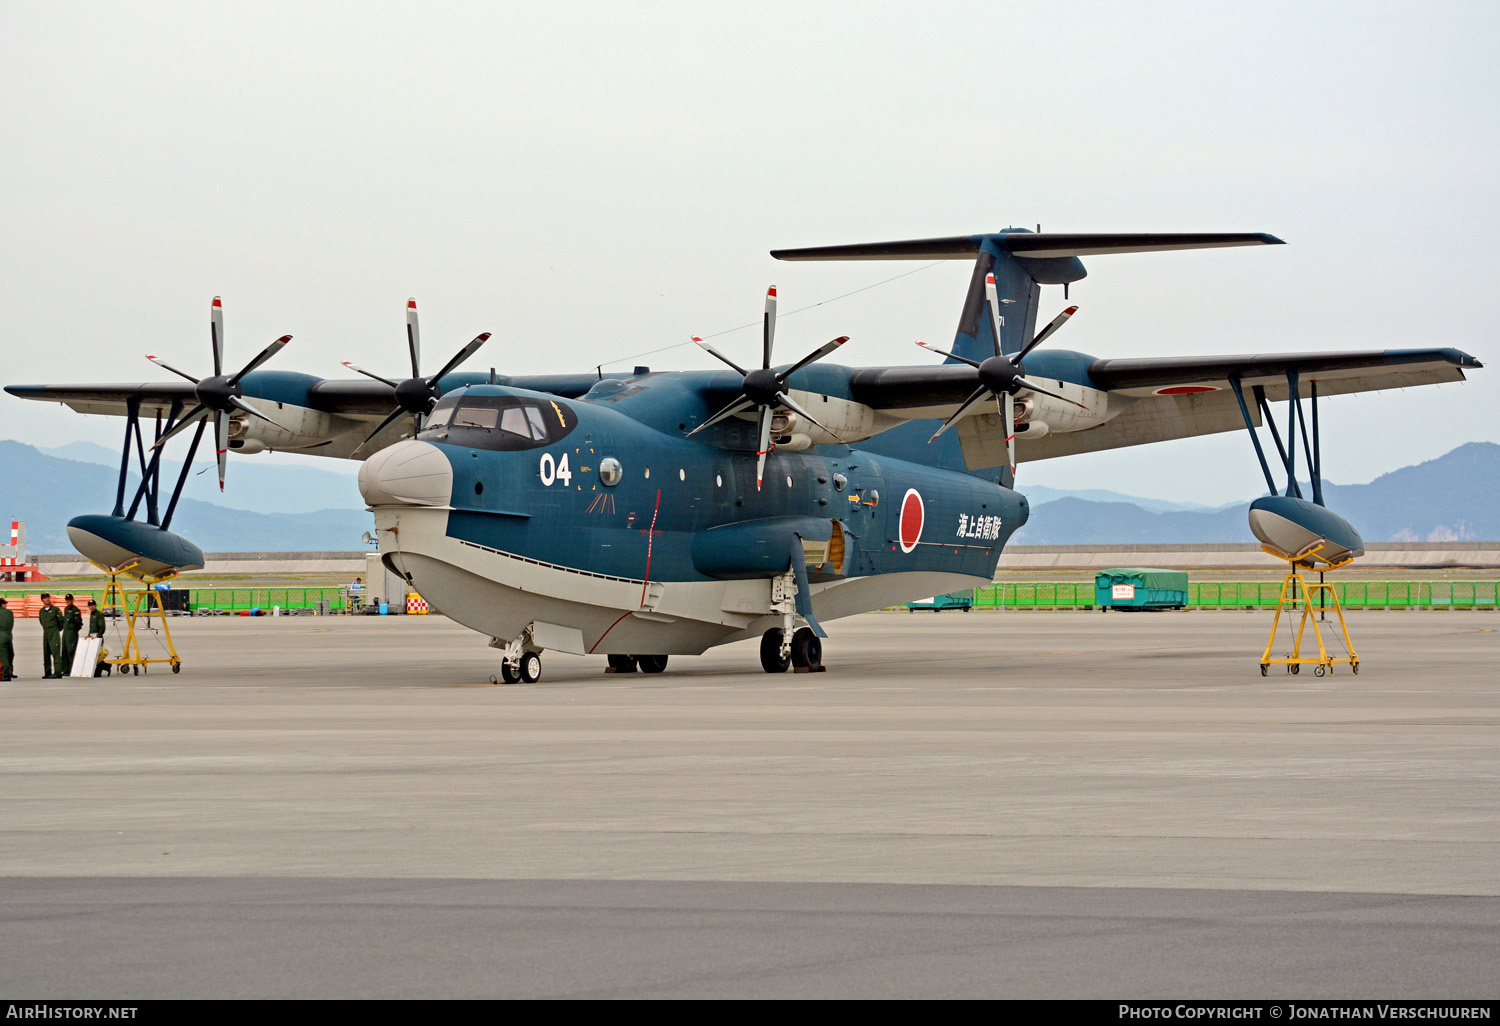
pixel 1141 588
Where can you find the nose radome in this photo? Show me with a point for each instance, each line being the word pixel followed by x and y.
pixel 409 473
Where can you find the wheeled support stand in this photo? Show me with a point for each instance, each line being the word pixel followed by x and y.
pixel 1296 591
pixel 132 604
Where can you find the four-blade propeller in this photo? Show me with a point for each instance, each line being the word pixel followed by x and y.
pixel 766 388
pixel 416 395
pixel 219 394
pixel 1001 376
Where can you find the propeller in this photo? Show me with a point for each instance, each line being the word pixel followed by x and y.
pixel 1001 376
pixel 416 395
pixel 220 394
pixel 765 388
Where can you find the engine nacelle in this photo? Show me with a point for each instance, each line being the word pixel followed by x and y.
pixel 296 427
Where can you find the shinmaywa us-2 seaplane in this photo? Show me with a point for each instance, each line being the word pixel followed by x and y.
pixel 659 514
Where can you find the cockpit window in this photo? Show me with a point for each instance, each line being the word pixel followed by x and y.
pixel 470 417
pixel 500 422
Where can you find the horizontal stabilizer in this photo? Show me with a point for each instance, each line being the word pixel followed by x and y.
pixel 1029 244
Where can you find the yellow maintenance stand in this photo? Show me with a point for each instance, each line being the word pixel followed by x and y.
pixel 132 604
pixel 1295 593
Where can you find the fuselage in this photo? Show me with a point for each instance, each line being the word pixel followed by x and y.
pixel 604 510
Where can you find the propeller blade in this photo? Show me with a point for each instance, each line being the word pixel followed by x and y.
pixel 244 407
pixel 459 357
pixel 740 405
pixel 1023 383
pixel 216 334
pixel 765 447
pixel 1010 431
pixel 978 395
pixel 710 350
pixel 221 444
pixel 1046 333
pixel 382 426
pixel 944 352
pixel 168 367
pixel 194 415
pixel 769 332
pixel 368 374
pixel 264 355
pixel 786 401
pixel 413 337
pixel 996 320
pixel 812 357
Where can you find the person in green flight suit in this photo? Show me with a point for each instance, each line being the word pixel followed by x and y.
pixel 51 620
pixel 72 624
pixel 7 650
pixel 96 624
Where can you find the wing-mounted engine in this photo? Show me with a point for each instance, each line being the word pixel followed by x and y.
pixel 840 422
pixel 295 427
pixel 766 391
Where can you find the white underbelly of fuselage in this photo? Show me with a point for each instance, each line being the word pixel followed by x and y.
pixel 500 594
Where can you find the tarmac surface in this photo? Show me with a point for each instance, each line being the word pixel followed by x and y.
pixel 985 804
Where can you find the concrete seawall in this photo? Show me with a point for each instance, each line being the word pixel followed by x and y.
pixel 1402 555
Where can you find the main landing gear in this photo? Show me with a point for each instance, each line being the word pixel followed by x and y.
pixel 804 651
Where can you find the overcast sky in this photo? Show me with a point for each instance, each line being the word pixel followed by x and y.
pixel 590 181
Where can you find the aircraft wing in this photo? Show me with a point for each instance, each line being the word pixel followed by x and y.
pixel 1147 400
pixel 111 399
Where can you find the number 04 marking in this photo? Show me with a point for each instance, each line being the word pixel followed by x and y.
pixel 555 470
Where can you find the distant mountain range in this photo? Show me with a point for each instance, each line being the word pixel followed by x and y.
pixel 47 491
pixel 292 508
pixel 256 483
pixel 1452 498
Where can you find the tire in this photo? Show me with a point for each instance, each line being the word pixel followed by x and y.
pixel 176 666
pixel 1263 669
pixel 1296 668
pixel 1318 670
pixel 508 674
pixel 531 668
pixel 651 663
pixel 807 648
pixel 770 652
pixel 622 663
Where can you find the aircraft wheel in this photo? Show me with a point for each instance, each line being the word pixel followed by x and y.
pixel 807 648
pixel 508 673
pixel 651 663
pixel 622 663
pixel 531 668
pixel 770 652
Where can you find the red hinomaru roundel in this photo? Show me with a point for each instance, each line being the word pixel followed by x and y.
pixel 913 515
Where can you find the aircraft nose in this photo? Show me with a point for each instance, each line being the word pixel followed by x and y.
pixel 409 473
